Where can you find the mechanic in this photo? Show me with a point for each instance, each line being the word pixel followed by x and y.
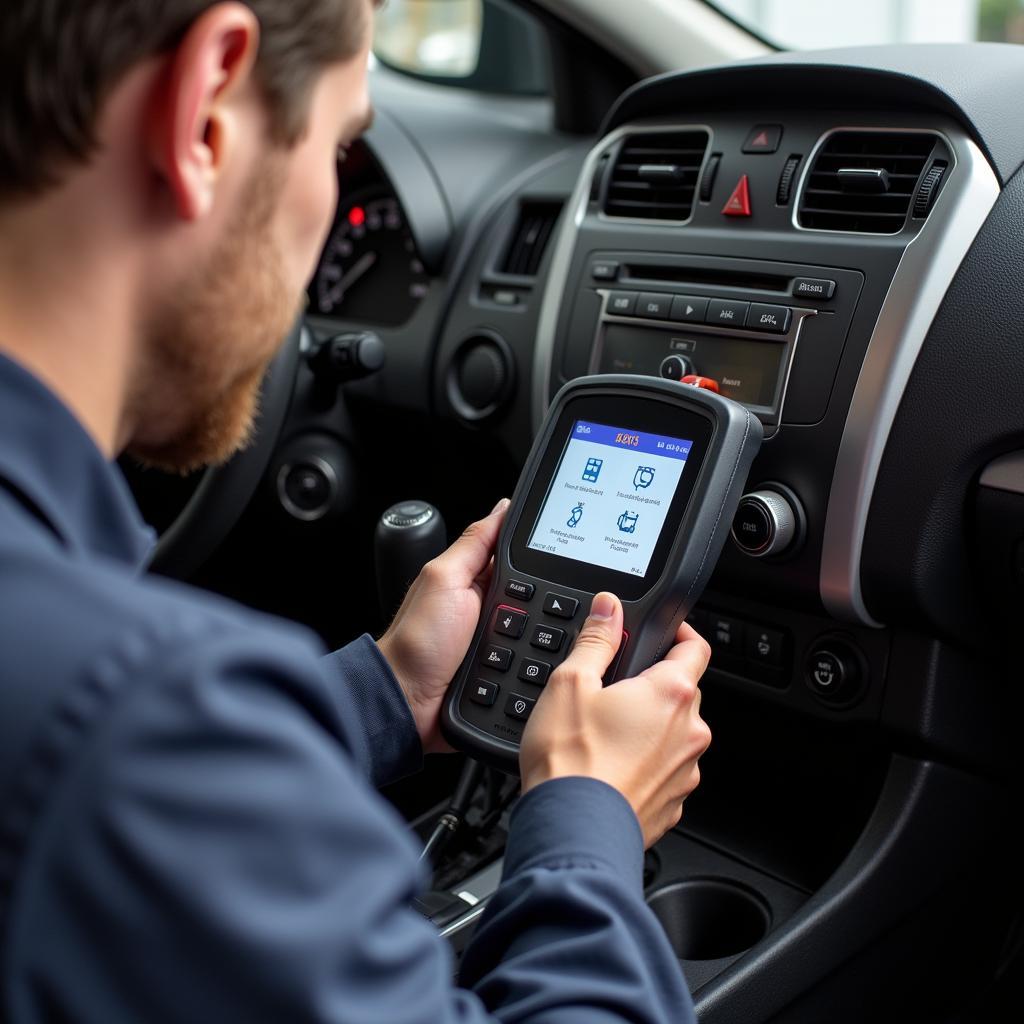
pixel 188 825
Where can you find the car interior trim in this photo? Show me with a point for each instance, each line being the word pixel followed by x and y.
pixel 918 287
pixel 562 253
pixel 1005 474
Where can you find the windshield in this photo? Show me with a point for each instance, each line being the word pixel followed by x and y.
pixel 804 24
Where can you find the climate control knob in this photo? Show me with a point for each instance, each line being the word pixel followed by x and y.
pixel 766 522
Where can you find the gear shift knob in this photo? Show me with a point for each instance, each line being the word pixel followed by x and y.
pixel 408 535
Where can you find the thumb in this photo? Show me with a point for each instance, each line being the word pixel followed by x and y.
pixel 598 641
pixel 469 555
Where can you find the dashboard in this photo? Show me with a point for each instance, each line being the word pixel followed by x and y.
pixel 832 239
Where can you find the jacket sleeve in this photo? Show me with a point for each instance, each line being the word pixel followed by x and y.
pixel 382 734
pixel 210 851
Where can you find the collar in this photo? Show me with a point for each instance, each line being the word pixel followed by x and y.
pixel 47 456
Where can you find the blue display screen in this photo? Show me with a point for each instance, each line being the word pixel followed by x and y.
pixel 610 495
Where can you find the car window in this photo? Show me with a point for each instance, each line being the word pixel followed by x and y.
pixel 800 24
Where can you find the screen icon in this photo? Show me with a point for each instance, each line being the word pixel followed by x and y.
pixel 592 470
pixel 574 517
pixel 643 477
pixel 627 522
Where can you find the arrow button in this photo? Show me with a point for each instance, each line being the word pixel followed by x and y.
pixel 560 606
pixel 692 308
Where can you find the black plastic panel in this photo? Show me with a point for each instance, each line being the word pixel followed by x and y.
pixel 961 409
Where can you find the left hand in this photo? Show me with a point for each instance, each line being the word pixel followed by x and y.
pixel 434 626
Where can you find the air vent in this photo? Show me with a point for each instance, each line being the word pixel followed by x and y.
pixel 655 175
pixel 531 236
pixel 864 181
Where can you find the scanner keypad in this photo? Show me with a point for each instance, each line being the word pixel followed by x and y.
pixel 516 634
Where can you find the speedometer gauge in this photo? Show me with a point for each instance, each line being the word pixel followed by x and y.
pixel 370 270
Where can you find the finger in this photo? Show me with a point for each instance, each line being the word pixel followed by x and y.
pixel 597 643
pixel 689 658
pixel 469 555
pixel 686 632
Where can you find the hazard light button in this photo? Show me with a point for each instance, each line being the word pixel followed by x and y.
pixel 738 204
pixel 763 138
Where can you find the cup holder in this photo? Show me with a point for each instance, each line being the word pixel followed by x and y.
pixel 710 918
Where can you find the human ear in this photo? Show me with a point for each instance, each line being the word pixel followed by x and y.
pixel 197 123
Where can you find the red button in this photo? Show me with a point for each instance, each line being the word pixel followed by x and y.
pixel 702 382
pixel 738 204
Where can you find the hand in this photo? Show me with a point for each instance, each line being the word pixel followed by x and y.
pixel 642 736
pixel 434 626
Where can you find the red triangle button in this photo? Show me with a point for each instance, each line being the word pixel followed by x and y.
pixel 738 204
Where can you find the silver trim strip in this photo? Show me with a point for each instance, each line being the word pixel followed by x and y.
pixel 565 244
pixel 918 287
pixel 1005 473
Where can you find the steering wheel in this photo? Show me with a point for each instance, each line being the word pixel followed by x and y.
pixel 224 491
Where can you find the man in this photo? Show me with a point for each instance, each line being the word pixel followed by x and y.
pixel 187 826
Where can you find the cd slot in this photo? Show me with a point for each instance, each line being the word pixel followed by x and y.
pixel 654 273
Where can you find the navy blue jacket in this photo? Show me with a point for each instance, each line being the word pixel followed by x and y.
pixel 188 826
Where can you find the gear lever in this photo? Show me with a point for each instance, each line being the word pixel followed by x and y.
pixel 408 535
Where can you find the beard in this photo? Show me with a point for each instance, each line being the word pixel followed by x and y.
pixel 207 350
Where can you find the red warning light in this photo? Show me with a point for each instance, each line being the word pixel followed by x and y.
pixel 357 216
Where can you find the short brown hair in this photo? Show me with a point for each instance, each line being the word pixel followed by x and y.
pixel 59 60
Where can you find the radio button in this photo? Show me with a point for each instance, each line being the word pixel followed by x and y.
pixel 654 305
pixel 727 313
pixel 622 303
pixel 814 288
pixel 688 309
pixel 768 318
pixel 675 367
pixel 604 270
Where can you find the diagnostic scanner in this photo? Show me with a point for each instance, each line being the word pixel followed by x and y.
pixel 631 486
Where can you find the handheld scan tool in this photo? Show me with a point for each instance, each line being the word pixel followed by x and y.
pixel 631 486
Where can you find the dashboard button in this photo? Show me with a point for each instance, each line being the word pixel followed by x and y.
pixel 622 303
pixel 496 657
pixel 510 621
pixel 726 312
pixel 688 309
pixel 764 646
pixel 516 588
pixel 768 318
pixel 604 270
pixel 725 634
pixel 560 606
pixel 654 305
pixel 814 287
pixel 763 138
pixel 518 706
pixel 738 204
pixel 834 670
pixel 536 672
pixel 547 638
pixel 483 692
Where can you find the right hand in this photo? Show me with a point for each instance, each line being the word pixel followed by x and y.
pixel 642 736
